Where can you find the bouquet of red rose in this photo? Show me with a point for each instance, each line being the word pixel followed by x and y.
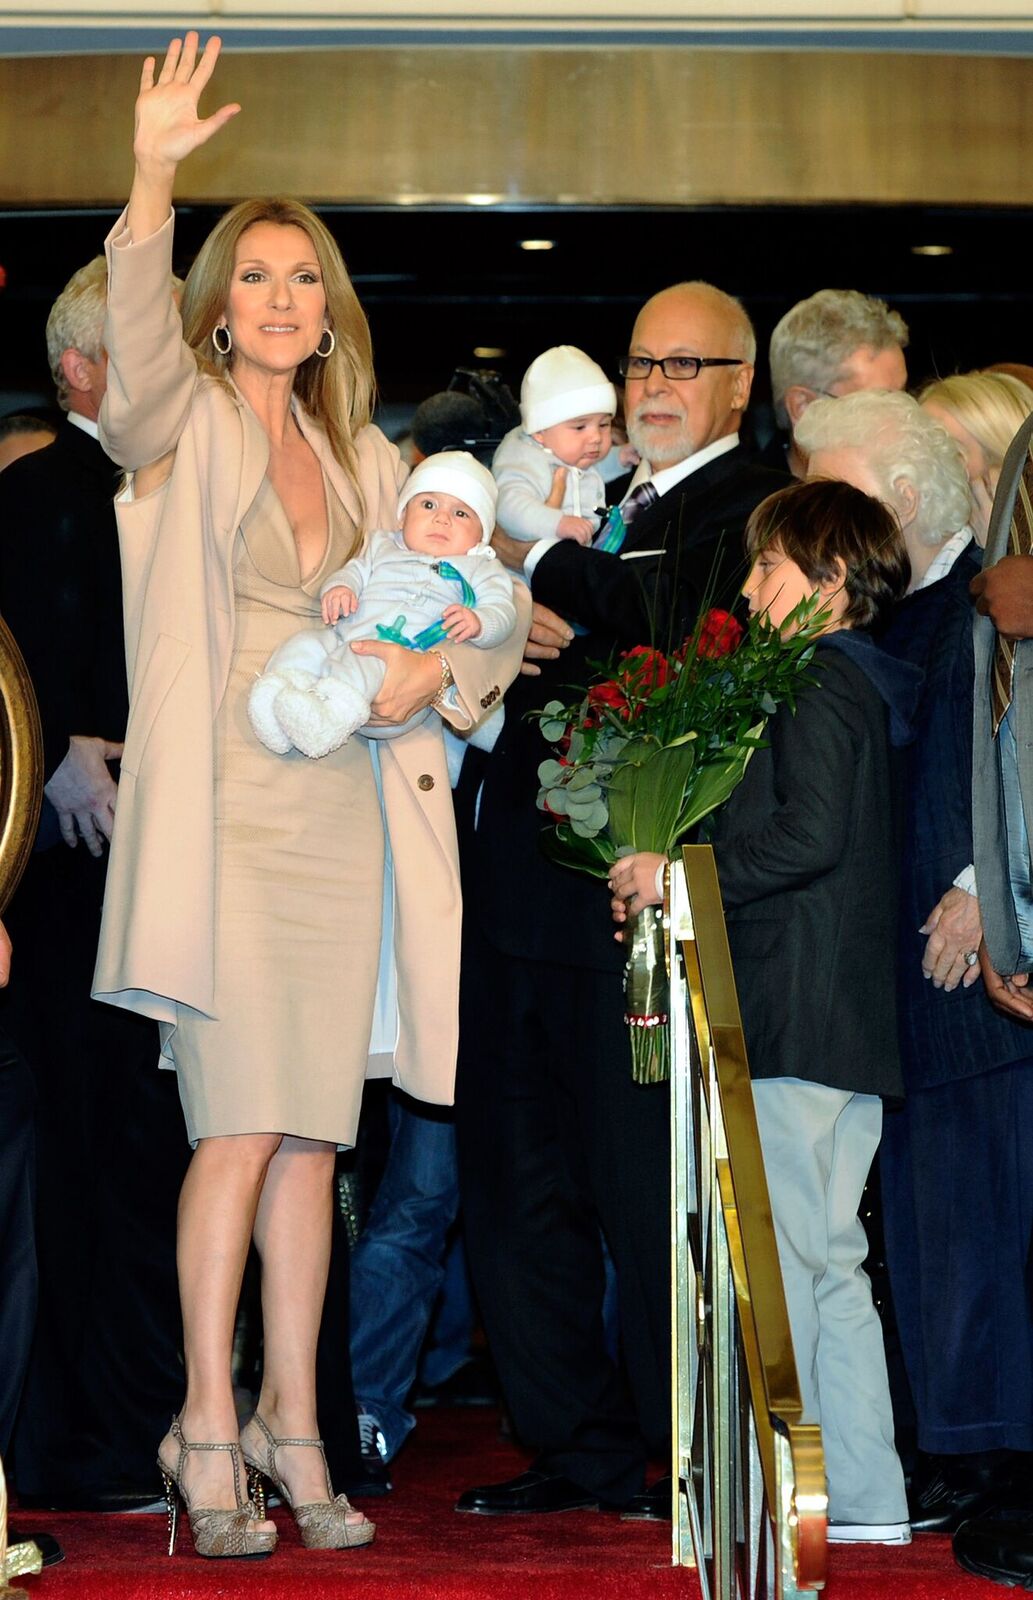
pixel 657 743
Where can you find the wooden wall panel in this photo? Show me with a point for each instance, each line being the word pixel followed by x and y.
pixel 638 125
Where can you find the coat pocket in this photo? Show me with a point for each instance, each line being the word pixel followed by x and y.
pixel 163 668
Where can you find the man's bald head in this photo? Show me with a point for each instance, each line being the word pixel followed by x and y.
pixel 671 418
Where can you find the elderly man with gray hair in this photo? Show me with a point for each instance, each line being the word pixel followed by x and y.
pixel 956 1161
pixel 833 343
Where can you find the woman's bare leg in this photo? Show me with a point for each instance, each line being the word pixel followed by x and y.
pixel 292 1236
pixel 217 1208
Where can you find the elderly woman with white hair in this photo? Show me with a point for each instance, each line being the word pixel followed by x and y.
pixel 956 1163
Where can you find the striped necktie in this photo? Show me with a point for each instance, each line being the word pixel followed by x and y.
pixel 1020 543
pixel 638 500
pixel 612 535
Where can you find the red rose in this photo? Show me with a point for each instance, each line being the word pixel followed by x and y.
pixel 720 633
pixel 645 668
pixel 605 696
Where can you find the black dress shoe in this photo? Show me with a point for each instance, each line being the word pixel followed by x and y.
pixel 954 1489
pixel 650 1505
pixel 531 1492
pixel 998 1545
pixel 45 1543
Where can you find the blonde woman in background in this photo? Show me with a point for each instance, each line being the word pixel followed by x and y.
pixel 983 411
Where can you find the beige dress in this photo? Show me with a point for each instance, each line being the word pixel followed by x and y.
pixel 299 876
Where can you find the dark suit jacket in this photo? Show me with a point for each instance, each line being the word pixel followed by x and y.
pixel 61 587
pixel 943 1036
pixel 687 540
pixel 807 858
pixel 990 833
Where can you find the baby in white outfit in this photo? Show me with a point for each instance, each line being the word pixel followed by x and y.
pixel 567 405
pixel 436 581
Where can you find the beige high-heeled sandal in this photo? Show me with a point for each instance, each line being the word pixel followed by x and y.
pixel 215 1532
pixel 323 1524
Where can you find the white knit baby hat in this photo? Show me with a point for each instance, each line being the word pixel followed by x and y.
pixel 459 473
pixel 563 383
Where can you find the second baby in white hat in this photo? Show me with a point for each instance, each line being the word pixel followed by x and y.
pixel 567 404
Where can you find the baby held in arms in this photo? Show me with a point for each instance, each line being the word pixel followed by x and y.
pixel 567 405
pixel 434 582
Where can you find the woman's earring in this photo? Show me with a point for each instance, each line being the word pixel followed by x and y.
pixel 328 334
pixel 223 349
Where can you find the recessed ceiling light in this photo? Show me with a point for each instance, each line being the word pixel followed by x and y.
pixel 537 244
pixel 488 352
pixel 932 249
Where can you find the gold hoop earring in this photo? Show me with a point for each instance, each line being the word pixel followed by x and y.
pixel 328 333
pixel 225 349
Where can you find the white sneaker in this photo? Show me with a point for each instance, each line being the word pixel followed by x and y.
pixel 869 1533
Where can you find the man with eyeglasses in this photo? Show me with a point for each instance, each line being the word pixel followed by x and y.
pixel 558 1148
pixel 833 343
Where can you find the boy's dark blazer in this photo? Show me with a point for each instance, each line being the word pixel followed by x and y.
pixel 689 538
pixel 807 859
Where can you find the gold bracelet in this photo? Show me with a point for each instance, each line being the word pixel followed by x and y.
pixel 447 680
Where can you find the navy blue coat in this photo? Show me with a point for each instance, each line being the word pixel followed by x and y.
pixel 943 1036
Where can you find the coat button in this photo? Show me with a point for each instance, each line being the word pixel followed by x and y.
pixel 425 781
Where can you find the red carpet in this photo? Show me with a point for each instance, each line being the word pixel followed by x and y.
pixel 423 1551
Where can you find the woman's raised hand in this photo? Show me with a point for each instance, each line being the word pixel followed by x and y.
pixel 167 124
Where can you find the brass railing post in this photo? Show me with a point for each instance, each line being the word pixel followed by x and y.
pixel 750 1500
pixel 21 792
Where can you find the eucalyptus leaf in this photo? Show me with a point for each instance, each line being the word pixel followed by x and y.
pixel 583 777
pixel 590 855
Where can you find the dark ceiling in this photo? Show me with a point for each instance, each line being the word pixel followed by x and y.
pixel 439 283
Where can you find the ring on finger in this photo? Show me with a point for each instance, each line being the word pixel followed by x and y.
pixel 971 958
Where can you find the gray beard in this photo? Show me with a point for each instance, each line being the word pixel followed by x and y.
pixel 666 449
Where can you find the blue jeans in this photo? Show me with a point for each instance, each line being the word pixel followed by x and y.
pixel 398 1267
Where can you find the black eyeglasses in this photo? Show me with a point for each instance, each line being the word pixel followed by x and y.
pixel 678 368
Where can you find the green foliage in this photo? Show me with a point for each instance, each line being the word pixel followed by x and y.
pixel 661 740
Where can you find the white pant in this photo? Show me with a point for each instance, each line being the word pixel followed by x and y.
pixel 819 1144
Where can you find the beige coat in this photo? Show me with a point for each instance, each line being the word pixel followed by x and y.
pixel 156 947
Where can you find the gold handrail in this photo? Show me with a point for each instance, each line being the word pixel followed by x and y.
pixel 21 766
pixel 21 793
pixel 750 1472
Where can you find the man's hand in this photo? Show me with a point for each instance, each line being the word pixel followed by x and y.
pixel 557 489
pixel 510 551
pixel 955 930
pixel 1004 593
pixel 83 792
pixel 1008 995
pixel 548 636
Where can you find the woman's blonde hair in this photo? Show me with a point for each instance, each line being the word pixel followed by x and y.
pixel 991 405
pixel 337 391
